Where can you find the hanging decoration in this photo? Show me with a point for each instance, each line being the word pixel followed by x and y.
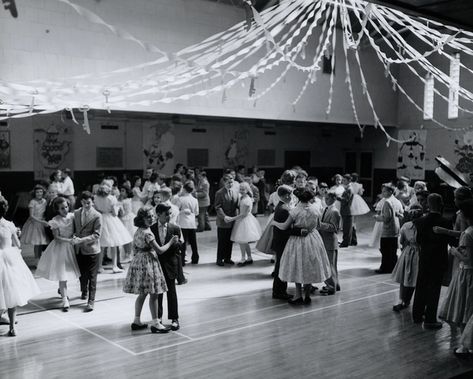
pixel 292 36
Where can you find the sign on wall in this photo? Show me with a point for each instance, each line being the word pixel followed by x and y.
pixel 158 147
pixel 5 151
pixel 53 150
pixel 411 154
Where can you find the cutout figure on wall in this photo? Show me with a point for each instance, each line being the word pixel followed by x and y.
pixel 411 154
pixel 52 149
pixel 158 151
pixel 464 152
pixel 237 149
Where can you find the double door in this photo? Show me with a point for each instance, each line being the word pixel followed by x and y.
pixel 361 162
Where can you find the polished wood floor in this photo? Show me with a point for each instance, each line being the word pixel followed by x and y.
pixel 232 328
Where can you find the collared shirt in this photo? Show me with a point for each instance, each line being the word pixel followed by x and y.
pixel 68 187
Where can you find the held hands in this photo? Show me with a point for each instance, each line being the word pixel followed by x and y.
pixel 75 240
pixel 174 239
pixel 228 219
pixel 439 230
pixel 305 232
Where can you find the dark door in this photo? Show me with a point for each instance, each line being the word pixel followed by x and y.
pixel 297 158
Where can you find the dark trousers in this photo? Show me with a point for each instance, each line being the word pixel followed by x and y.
pixel 171 296
pixel 224 244
pixel 406 293
pixel 88 266
pixel 333 259
pixel 191 239
pixel 349 232
pixel 203 221
pixel 180 272
pixel 388 248
pixel 279 287
pixel 426 298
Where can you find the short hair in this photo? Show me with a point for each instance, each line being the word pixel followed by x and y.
pixel 388 186
pixel 304 194
pixel 347 177
pixel 203 173
pixel 414 212
pixel 336 176
pixel 435 202
pixel 189 186
pixel 313 178
pixel 176 187
pixel 67 171
pixel 166 191
pixel 288 177
pixel 302 174
pixel 161 208
pixel 135 179
pixel 58 201
pixel 127 190
pixel 176 178
pixel 153 177
pixel 284 190
pixel 323 185
pixel 332 195
pixel 246 186
pixel 39 187
pixel 104 190
pixel 86 195
pixel 139 220
pixel 463 193
pixel 227 177
pixel 3 206
pixel 354 176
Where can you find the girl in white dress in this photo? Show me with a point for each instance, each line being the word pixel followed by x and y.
pixel 126 216
pixel 58 261
pixel 246 228
pixel 138 195
pixel 338 188
pixel 358 205
pixel 114 234
pixel 34 232
pixel 17 285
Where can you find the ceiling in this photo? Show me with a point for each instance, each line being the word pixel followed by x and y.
pixel 453 12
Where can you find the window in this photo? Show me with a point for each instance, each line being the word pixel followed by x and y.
pixel 454 86
pixel 429 97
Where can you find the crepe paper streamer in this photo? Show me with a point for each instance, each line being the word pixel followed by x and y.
pixel 71 111
pixel 84 111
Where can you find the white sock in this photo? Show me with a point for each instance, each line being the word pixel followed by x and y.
pixel 156 321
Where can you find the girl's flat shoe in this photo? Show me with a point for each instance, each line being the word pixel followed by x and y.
pixel 298 301
pixel 307 300
pixel 12 333
pixel 249 262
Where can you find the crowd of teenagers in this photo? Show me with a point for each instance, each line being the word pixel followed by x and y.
pixel 148 222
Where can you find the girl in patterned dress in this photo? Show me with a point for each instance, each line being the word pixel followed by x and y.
pixel 58 261
pixel 304 260
pixel 246 228
pixel 17 285
pixel 145 275
pixel 34 230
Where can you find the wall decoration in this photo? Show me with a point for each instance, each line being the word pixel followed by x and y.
pixel 5 152
pixel 53 150
pixel 411 154
pixel 109 157
pixel 158 147
pixel 278 37
pixel 464 152
pixel 236 152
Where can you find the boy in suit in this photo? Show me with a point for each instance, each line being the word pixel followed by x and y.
pixel 87 228
pixel 163 230
pixel 328 229
pixel 433 262
pixel 226 205
pixel 280 238
pixel 349 232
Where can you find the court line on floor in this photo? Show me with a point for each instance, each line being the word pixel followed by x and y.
pixel 368 279
pixel 244 313
pixel 263 323
pixel 84 329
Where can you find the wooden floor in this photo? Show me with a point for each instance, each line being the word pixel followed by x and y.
pixel 232 328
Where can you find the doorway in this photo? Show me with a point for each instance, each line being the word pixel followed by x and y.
pixel 361 162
